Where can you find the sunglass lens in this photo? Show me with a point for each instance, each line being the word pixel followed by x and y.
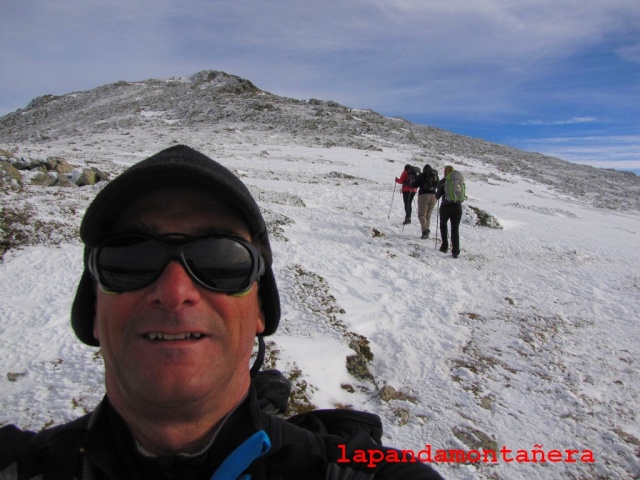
pixel 221 263
pixel 130 262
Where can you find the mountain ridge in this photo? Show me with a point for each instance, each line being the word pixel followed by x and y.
pixel 214 99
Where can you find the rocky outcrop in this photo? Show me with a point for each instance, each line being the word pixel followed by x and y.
pixel 52 171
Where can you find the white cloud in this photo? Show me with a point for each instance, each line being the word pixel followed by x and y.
pixel 605 151
pixel 630 53
pixel 568 121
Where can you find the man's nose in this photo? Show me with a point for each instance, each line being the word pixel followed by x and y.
pixel 174 287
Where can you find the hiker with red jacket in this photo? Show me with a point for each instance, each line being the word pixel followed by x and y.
pixel 407 179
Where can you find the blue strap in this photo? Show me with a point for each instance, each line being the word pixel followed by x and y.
pixel 237 462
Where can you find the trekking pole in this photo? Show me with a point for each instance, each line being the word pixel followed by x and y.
pixel 437 219
pixel 393 195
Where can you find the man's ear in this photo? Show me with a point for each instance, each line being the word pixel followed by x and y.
pixel 261 324
pixel 96 332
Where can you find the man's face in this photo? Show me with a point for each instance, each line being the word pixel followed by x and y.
pixel 182 373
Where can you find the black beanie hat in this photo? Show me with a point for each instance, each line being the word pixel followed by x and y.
pixel 178 166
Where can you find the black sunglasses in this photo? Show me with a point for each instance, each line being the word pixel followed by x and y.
pixel 126 262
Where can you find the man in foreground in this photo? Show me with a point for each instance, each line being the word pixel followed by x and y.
pixel 178 283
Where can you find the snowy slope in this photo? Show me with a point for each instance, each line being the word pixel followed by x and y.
pixel 529 341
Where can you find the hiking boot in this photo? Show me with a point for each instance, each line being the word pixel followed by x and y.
pixel 444 248
pixel 406 221
pixel 425 234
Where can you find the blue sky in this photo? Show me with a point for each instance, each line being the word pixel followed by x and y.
pixel 560 77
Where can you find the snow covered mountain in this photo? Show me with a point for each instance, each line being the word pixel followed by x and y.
pixel 528 344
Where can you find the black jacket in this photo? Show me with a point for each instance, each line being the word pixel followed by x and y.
pixel 425 187
pixel 99 446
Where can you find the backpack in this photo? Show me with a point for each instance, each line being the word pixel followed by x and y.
pixel 454 188
pixel 412 176
pixel 273 390
pixel 430 184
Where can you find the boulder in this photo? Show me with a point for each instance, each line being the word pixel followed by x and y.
pixel 44 179
pixel 58 164
pixel 63 181
pixel 8 173
pixel 87 177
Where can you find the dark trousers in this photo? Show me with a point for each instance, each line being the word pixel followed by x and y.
pixel 451 212
pixel 407 197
